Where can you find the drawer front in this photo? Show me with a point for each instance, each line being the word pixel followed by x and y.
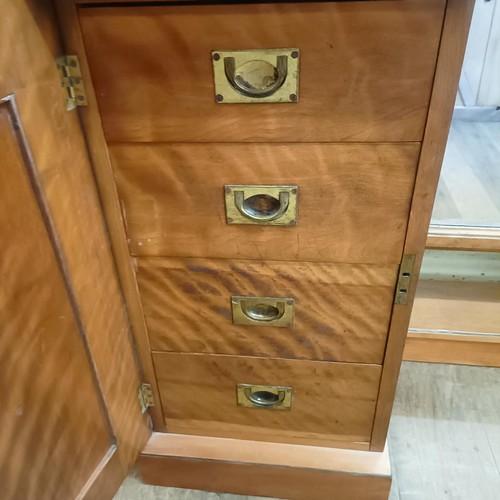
pixel 365 70
pixel 340 312
pixel 330 402
pixel 353 200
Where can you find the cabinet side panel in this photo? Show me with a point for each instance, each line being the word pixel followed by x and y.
pixel 59 152
pixel 451 53
pixel 100 164
pixel 55 432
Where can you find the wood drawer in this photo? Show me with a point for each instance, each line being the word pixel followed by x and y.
pixel 333 403
pixel 366 70
pixel 353 203
pixel 341 311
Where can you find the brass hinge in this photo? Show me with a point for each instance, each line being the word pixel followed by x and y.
pixel 71 80
pixel 145 397
pixel 404 279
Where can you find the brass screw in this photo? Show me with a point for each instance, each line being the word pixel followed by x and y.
pixel 294 191
pixel 293 97
pixel 219 97
pixel 295 54
pixel 227 190
pixel 216 57
pixel 229 220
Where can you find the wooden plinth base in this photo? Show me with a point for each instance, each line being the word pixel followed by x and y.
pixel 264 469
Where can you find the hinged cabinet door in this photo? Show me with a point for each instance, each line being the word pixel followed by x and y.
pixel 70 415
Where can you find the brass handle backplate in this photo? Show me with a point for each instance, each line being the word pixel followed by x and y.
pixel 271 397
pixel 270 205
pixel 256 76
pixel 262 311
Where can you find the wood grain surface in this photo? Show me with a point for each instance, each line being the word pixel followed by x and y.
pixel 257 479
pixel 266 453
pixel 342 311
pixel 451 53
pixel 106 187
pixel 332 402
pixel 366 70
pixel 214 464
pixel 28 28
pixel 353 200
pixel 51 405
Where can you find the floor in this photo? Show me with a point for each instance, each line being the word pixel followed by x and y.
pixel 444 439
pixel 469 188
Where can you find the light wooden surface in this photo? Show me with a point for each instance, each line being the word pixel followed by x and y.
pixel 43 414
pixel 60 157
pixel 282 482
pixel 353 200
pixel 357 82
pixel 342 311
pixel 100 163
pixel 457 306
pixel 283 470
pixel 257 452
pixel 469 187
pixel 332 402
pixel 454 38
pixel 455 348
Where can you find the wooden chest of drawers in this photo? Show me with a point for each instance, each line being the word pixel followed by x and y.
pixel 237 318
pixel 350 145
pixel 266 173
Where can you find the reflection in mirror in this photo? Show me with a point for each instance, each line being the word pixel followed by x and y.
pixel 261 205
pixel 469 188
pixel 256 76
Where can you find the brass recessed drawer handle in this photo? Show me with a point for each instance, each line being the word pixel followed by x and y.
pixel 256 78
pixel 262 311
pixel 262 207
pixel 264 396
pixel 272 205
